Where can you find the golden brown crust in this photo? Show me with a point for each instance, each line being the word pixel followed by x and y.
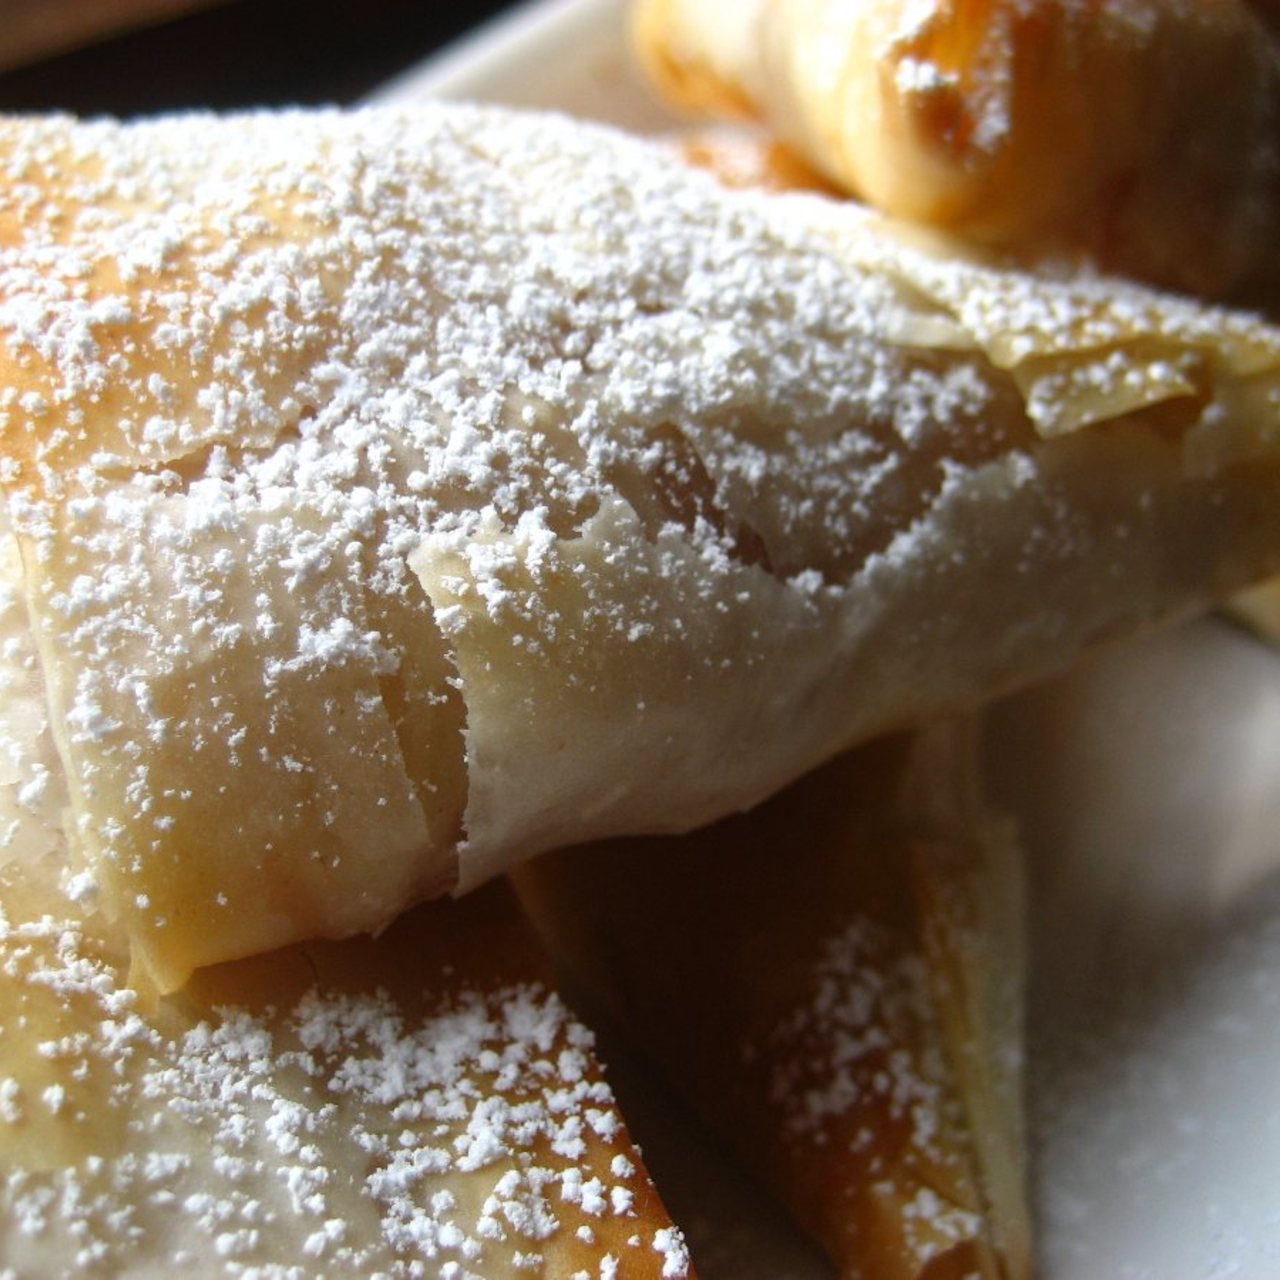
pixel 400 495
pixel 346 1108
pixel 1140 134
pixel 834 981
pixel 748 160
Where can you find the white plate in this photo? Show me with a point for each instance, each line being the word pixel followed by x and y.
pixel 1148 786
pixel 562 55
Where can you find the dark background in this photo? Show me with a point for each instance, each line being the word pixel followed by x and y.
pixel 246 53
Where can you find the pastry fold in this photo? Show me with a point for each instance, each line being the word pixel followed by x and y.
pixel 401 494
pixel 422 1103
pixel 424 1100
pixel 1142 135
pixel 835 982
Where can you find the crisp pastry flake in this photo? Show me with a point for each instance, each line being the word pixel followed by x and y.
pixel 419 1105
pixel 835 982
pixel 401 494
pixel 422 1104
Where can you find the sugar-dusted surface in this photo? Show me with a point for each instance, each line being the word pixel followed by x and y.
pixel 391 485
pixel 394 1108
pixel 833 985
pixel 423 1104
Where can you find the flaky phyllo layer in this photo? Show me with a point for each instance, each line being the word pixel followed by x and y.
pixel 834 982
pixel 401 494
pixel 422 1104
pixel 419 1105
pixel 1139 134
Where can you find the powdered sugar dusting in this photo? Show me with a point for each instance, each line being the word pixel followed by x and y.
pixel 294 405
pixel 255 367
pixel 33 793
pixel 861 1064
pixel 346 1134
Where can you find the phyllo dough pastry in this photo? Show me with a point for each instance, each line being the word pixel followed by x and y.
pixel 419 1105
pixel 402 494
pixel 1142 133
pixel 422 1104
pixel 834 981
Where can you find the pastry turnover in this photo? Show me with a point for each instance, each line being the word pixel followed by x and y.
pixel 834 981
pixel 1142 133
pixel 418 1105
pixel 749 158
pixel 398 495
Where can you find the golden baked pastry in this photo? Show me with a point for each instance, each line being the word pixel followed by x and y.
pixel 1140 134
pixel 401 494
pixel 422 1104
pixel 749 158
pixel 834 981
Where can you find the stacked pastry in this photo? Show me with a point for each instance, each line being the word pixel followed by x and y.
pixel 1139 138
pixel 1050 133
pixel 834 982
pixel 422 1103
pixel 399 495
